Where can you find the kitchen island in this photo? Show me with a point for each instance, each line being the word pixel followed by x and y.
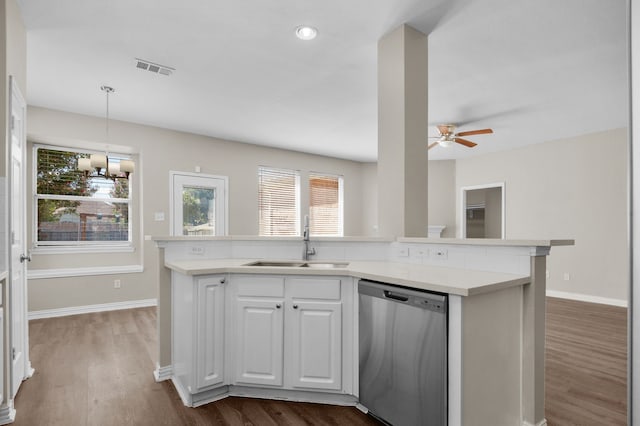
pixel 225 310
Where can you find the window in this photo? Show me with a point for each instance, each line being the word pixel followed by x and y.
pixel 74 210
pixel 325 205
pixel 278 201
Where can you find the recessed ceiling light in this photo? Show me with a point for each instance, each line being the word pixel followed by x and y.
pixel 305 32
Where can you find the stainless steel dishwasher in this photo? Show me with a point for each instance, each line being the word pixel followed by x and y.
pixel 403 354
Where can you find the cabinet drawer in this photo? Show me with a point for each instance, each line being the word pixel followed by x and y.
pixel 260 286
pixel 314 288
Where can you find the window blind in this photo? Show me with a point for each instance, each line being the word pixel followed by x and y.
pixel 278 201
pixel 325 205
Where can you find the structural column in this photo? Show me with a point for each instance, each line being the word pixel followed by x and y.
pixel 402 133
pixel 533 327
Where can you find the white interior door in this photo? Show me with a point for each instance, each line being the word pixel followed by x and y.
pixel 21 367
pixel 199 204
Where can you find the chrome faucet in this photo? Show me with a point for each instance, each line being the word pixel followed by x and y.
pixel 306 251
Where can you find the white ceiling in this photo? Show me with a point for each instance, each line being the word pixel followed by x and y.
pixel 533 70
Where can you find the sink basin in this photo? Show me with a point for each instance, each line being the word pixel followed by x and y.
pixel 325 265
pixel 276 264
pixel 295 264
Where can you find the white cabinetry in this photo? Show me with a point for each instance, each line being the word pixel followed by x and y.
pixel 258 330
pixel 210 329
pixel 288 332
pixel 313 325
pixel 198 322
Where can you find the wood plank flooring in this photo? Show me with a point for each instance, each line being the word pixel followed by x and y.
pixel 95 369
pixel 586 364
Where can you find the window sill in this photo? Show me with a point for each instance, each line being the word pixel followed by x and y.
pixel 81 249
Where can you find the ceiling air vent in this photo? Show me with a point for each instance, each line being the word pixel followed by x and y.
pixel 153 67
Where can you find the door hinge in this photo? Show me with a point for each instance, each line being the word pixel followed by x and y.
pixel 13 122
pixel 13 237
pixel 13 353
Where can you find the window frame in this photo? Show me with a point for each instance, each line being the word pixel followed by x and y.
pixel 340 179
pixel 78 246
pixel 296 174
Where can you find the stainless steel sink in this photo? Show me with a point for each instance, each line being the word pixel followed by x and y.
pixel 325 265
pixel 276 264
pixel 294 264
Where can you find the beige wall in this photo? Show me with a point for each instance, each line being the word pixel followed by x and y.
pixel 442 196
pixel 369 199
pixel 493 213
pixel 441 190
pixel 160 151
pixel 572 188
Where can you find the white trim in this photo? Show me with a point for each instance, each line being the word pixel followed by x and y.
pixel 87 309
pixel 542 422
pixel 37 274
pixel 88 248
pixel 587 298
pixel 172 213
pixel 7 413
pixel 34 193
pixel 162 373
pixel 463 208
pixel 454 362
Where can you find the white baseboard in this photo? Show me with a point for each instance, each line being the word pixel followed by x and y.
pixel 162 373
pixel 587 298
pixel 88 309
pixel 7 413
pixel 542 422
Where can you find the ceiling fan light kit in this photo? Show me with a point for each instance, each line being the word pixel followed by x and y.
pixel 448 136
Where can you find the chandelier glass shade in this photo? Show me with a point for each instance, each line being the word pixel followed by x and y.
pixel 98 165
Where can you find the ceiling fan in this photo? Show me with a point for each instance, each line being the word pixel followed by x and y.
pixel 447 136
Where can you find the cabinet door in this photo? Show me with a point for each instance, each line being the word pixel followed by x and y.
pixel 210 332
pixel 259 341
pixel 315 329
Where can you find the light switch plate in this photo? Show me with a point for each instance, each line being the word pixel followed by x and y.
pixel 158 216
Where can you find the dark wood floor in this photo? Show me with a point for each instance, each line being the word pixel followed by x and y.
pixel 95 369
pixel 586 364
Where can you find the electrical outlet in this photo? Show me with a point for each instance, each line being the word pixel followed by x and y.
pixel 567 276
pixel 419 252
pixel 158 216
pixel 402 252
pixel 440 254
pixel 548 274
pixel 197 250
pixel 116 283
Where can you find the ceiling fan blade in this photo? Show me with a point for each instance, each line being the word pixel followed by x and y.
pixel 431 145
pixel 465 142
pixel 475 132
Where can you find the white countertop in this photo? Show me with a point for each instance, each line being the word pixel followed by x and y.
pixel 460 282
pixel 263 238
pixel 488 242
pixel 420 240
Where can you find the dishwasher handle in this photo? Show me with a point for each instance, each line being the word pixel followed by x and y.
pixel 391 295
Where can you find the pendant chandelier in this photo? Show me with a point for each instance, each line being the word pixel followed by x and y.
pixel 97 165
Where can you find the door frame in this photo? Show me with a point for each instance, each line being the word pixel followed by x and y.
pixel 172 212
pixel 27 371
pixel 463 206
